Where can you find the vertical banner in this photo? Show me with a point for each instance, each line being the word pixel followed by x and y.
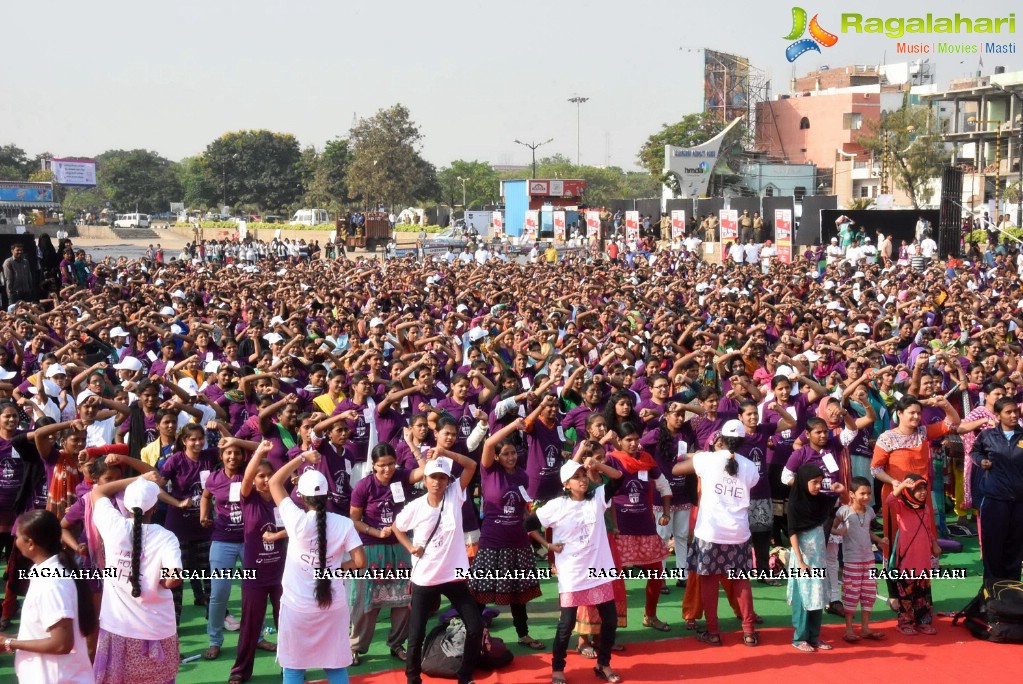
pixel 592 224
pixel 632 225
pixel 729 224
pixel 559 226
pixel 243 230
pixel 678 223
pixel 498 220
pixel 783 234
pixel 532 220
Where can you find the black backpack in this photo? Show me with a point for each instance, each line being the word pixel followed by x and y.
pixel 445 644
pixel 995 614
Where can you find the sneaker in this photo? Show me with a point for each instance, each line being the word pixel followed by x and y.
pixel 231 623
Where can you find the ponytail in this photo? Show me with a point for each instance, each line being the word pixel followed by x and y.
pixel 324 595
pixel 136 552
pixel 731 465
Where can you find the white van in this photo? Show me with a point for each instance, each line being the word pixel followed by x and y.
pixel 310 217
pixel 132 221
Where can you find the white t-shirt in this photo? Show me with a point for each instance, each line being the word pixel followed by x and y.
pixel 100 433
pixel 446 551
pixel 724 500
pixel 151 615
pixel 579 525
pixel 928 247
pixel 767 253
pixel 303 557
pixel 48 601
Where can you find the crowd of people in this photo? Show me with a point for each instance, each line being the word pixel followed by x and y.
pixel 356 435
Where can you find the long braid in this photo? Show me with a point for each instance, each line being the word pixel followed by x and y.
pixel 136 552
pixel 324 595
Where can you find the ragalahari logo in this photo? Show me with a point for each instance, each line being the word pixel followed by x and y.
pixel 818 36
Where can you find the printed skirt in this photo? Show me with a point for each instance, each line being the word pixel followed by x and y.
pixel 123 659
pixel 504 576
pixel 708 558
pixel 388 592
pixel 640 549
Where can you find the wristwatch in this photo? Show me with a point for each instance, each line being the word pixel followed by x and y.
pixel 7 644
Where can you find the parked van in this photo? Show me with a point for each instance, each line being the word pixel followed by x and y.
pixel 310 217
pixel 132 221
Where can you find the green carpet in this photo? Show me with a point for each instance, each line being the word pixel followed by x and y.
pixel 949 595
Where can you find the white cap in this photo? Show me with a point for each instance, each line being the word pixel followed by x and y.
pixel 212 367
pixel 168 311
pixel 866 239
pixel 276 320
pixel 440 465
pixel 834 239
pixel 834 306
pixel 178 294
pixel 733 428
pixel 129 363
pixel 862 329
pixel 189 385
pixel 51 388
pixel 477 334
pixel 376 321
pixel 313 483
pixel 6 374
pixel 812 356
pixel 273 338
pixel 55 369
pixel 859 274
pixel 700 287
pixel 118 332
pixel 142 494
pixel 461 308
pixel 829 284
pixel 569 469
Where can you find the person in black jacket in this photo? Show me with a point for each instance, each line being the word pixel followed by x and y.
pixel 998 486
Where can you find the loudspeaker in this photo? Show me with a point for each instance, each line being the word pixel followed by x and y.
pixel 950 221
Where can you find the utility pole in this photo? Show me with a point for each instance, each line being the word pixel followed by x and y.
pixel 533 146
pixel 464 208
pixel 578 102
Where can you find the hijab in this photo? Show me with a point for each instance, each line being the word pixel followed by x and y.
pixel 906 495
pixel 806 511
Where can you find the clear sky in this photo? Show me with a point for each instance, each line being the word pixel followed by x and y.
pixel 80 78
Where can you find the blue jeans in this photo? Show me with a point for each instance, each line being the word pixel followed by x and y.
pixel 334 676
pixel 223 556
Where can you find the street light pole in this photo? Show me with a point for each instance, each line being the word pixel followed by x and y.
pixel 464 208
pixel 578 102
pixel 533 146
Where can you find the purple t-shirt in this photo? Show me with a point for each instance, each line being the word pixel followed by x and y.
pixel 807 454
pixel 632 502
pixel 389 423
pixel 149 425
pixel 677 452
pixel 754 447
pixel 504 508
pixel 258 517
pixel 12 471
pixel 783 441
pixel 359 427
pixel 702 428
pixel 185 479
pixel 227 519
pixel 465 415
pixel 337 467
pixel 278 454
pixel 576 418
pixel 378 503
pixel 543 462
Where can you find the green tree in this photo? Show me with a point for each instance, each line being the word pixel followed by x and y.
pixel 482 184
pixel 196 189
pixel 14 163
pixel 137 178
pixel 327 184
pixel 258 170
pixel 386 166
pixel 917 156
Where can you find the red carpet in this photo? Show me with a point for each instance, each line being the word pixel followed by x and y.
pixel 951 656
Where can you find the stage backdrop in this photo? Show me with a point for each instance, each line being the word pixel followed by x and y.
pixel 899 223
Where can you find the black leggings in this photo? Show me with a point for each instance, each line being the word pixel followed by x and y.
pixel 519 617
pixel 461 601
pixel 779 497
pixel 195 556
pixel 608 628
pixel 762 549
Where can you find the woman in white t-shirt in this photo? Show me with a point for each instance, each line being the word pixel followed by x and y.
pixel 57 613
pixel 314 619
pixel 138 636
pixel 582 552
pixel 721 545
pixel 440 564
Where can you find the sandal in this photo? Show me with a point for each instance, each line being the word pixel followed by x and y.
pixel 751 639
pixel 265 645
pixel 355 659
pixel 654 623
pixel 558 678
pixel 929 630
pixel 804 647
pixel 529 642
pixel 708 638
pixel 874 636
pixel 690 624
pixel 212 653
pixel 235 679
pixel 850 638
pixel 587 652
pixel 823 646
pixel 617 648
pixel 907 630
pixel 399 653
pixel 607 674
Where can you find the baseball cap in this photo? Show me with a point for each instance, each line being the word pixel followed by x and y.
pixel 129 363
pixel 55 369
pixel 189 385
pixel 118 332
pixel 733 428
pixel 6 374
pixel 142 494
pixel 312 483
pixel 569 469
pixel 273 338
pixel 439 465
pixel 376 321
pixel 862 329
pixel 167 311
pixel 477 334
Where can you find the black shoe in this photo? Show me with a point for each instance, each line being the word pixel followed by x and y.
pixel 680 583
pixel 835 608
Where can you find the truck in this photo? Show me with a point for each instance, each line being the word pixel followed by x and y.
pixel 480 220
pixel 374 232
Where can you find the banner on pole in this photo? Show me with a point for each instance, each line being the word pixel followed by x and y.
pixel 559 226
pixel 783 234
pixel 632 225
pixel 729 224
pixel 593 224
pixel 532 221
pixel 498 220
pixel 678 223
